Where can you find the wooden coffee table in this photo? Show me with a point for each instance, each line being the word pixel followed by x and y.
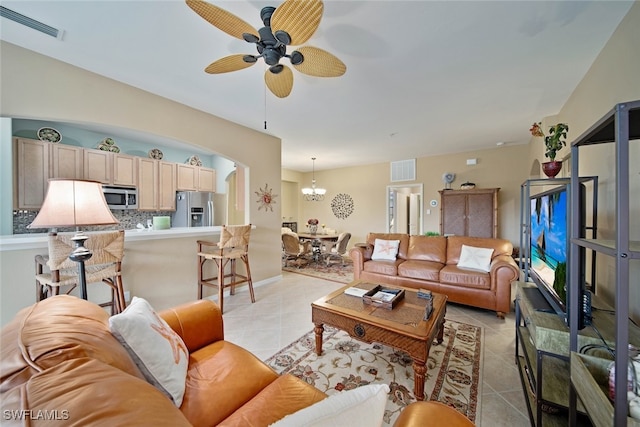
pixel 402 327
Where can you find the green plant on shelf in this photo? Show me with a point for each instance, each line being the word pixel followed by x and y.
pixel 554 140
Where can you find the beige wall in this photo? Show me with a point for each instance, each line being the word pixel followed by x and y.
pixel 613 78
pixel 38 87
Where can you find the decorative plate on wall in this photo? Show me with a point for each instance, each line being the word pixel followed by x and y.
pixel 49 135
pixel 342 205
pixel 194 161
pixel 108 144
pixel 155 153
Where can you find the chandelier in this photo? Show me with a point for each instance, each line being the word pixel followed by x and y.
pixel 313 194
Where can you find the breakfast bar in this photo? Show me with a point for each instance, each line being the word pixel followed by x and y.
pixel 158 264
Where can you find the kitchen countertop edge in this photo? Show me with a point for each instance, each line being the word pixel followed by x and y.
pixel 16 242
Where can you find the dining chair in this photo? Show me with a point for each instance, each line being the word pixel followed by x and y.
pixel 295 250
pixel 104 266
pixel 337 249
pixel 232 246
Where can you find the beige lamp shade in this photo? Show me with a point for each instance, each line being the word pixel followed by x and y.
pixel 73 203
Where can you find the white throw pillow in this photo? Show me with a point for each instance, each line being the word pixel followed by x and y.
pixel 473 258
pixel 158 351
pixel 362 406
pixel 385 250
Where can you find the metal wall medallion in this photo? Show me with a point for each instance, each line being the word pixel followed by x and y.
pixel 266 198
pixel 342 205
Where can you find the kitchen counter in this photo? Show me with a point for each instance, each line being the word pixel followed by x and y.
pixel 17 242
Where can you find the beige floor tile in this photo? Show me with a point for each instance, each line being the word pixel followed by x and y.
pixel 497 412
pixel 282 314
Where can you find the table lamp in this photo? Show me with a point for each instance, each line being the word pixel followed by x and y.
pixel 74 203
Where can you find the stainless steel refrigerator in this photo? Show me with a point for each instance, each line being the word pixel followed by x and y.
pixel 194 209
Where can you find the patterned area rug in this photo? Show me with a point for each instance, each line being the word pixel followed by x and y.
pixel 334 272
pixel 453 369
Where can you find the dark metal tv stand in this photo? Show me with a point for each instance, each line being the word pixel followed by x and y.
pixel 542 355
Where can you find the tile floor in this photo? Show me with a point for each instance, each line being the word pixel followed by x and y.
pixel 282 314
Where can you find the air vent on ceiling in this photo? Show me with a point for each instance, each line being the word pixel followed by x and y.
pixel 403 170
pixel 31 23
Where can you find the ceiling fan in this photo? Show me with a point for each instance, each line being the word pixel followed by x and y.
pixel 291 24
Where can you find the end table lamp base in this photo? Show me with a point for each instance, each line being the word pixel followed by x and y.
pixel 80 254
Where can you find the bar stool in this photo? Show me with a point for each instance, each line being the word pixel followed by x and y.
pixel 105 265
pixel 233 246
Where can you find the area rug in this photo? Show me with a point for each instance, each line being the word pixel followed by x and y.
pixel 453 369
pixel 334 272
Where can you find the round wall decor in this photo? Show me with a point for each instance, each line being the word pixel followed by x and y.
pixel 49 135
pixel 342 205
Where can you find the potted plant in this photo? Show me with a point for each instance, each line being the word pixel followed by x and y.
pixel 554 141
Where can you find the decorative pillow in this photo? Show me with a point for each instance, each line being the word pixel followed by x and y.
pixel 385 250
pixel 362 406
pixel 473 258
pixel 159 352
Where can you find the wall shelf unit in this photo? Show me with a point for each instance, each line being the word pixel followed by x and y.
pixel 618 126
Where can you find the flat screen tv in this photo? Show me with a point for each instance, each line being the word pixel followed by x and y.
pixel 550 248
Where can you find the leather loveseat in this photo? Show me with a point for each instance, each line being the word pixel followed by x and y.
pixel 60 361
pixel 431 262
pixel 61 366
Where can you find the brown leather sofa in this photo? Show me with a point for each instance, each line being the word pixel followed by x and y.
pixel 60 365
pixel 430 262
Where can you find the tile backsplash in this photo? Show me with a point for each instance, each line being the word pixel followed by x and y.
pixel 129 219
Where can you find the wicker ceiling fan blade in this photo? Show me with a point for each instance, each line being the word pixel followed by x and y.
pixel 228 64
pixel 299 18
pixel 279 84
pixel 220 18
pixel 320 63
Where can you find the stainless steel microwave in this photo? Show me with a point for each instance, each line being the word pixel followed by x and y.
pixel 121 197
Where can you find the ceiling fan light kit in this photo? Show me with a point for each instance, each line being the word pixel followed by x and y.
pixel 290 24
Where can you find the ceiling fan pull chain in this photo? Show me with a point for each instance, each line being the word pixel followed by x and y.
pixel 265 106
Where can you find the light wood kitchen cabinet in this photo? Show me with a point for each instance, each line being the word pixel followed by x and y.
pixel 187 177
pixel 156 185
pixel 469 212
pixel 66 161
pixel 166 186
pixel 35 162
pixel 147 184
pixel 125 170
pixel 195 178
pixel 206 179
pixel 110 168
pixel 31 160
pixel 98 165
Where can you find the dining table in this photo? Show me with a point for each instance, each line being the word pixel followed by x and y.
pixel 316 243
pixel 318 236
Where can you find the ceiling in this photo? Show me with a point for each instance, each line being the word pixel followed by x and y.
pixel 423 77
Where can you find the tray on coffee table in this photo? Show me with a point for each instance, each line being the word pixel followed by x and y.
pixel 380 296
